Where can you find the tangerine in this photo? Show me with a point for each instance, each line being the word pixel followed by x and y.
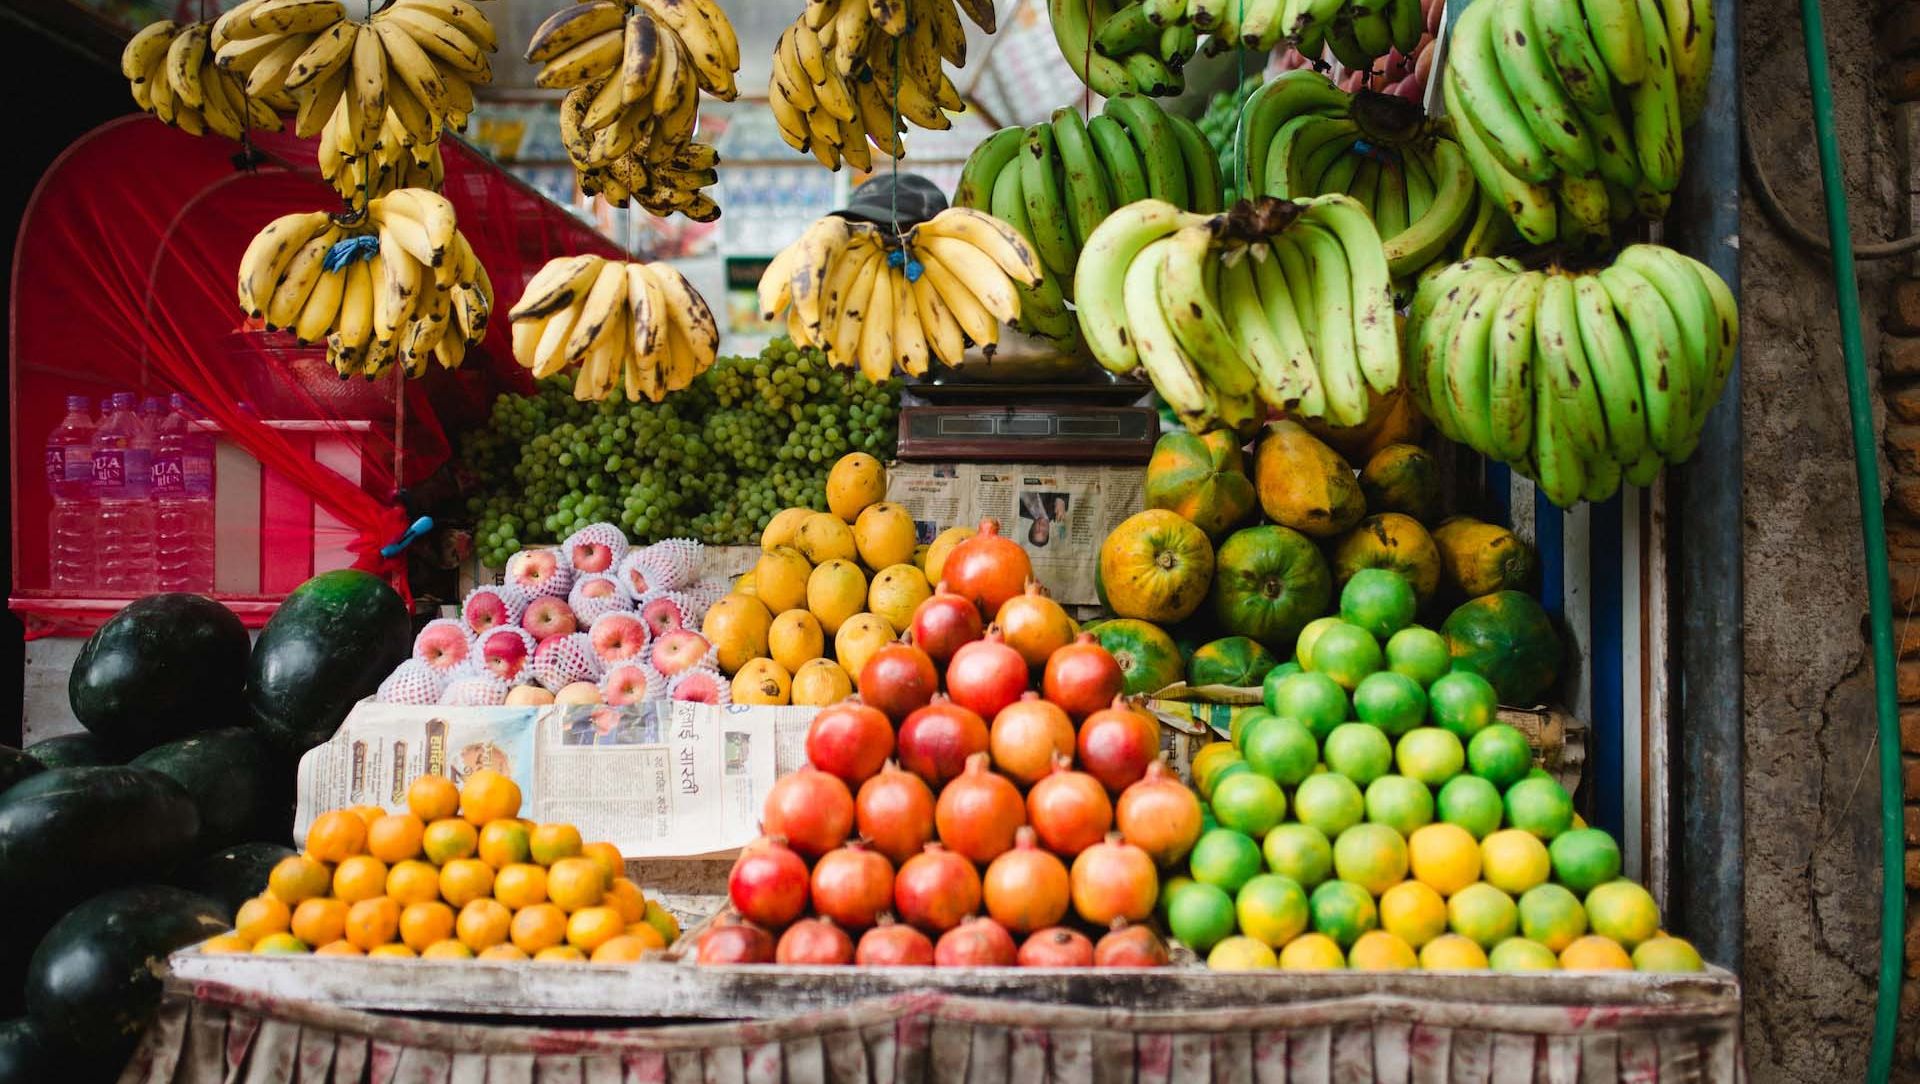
pixel 552 842
pixel 447 839
pixel 320 922
pixel 413 881
pixel 520 885
pixel 504 842
pixel 591 927
pixel 575 883
pixel 372 923
pixel 446 950
pixel 488 795
pixel 361 877
pixel 299 878
pixel 395 837
pixel 336 836
pixel 464 880
pixel 483 923
pixel 432 798
pixel 422 924
pixel 261 916
pixel 538 927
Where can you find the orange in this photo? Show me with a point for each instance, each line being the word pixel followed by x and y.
pixel 339 948
pixel 488 795
pixel 261 916
pixel 373 922
pixel 319 921
pixel 299 878
pixel 591 927
pixel 446 840
pixel 502 952
pixel 560 954
pixel 395 837
pixel 413 881
pixel 647 933
pixel 401 952
pixel 337 835
pixel 504 842
pixel 446 950
pixel 1595 953
pixel 574 883
pixel 538 927
pixel 483 924
pixel 608 857
pixel 432 798
pixel 367 813
pixel 361 877
pixel 520 885
pixel 552 842
pixel 625 897
pixel 465 879
pixel 225 943
pixel 421 924
pixel 624 949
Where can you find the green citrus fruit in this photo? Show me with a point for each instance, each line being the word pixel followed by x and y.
pixel 1667 954
pixel 1472 803
pixel 1241 954
pixel 1200 915
pixel 1400 803
pixel 1444 857
pixel 1244 721
pixel 1552 916
pixel 1500 755
pixel 1393 702
pixel 1584 858
pixel 1520 954
pixel 1314 699
pixel 1168 889
pixel 1414 912
pixel 1372 856
pixel 1283 750
pixel 1271 908
pixel 1220 773
pixel 1430 754
pixel 1419 653
pixel 1225 858
pixel 1462 702
pixel 1540 806
pixel 1309 636
pixel 1248 802
pixel 1329 802
pixel 1452 952
pixel 1378 601
pixel 1299 852
pixel 1482 914
pixel 1623 911
pixel 1346 653
pixel 1343 911
pixel 1359 751
pixel 1513 861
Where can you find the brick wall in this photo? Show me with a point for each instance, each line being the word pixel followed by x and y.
pixel 1900 397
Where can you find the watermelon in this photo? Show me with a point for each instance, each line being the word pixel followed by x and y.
pixel 26 1057
pixel 16 765
pixel 243 789
pixel 81 750
pixel 69 832
pixel 1270 582
pixel 1238 661
pixel 164 667
pixel 1508 639
pixel 330 644
pixel 1148 657
pixel 233 875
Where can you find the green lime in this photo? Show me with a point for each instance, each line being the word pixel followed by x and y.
pixel 1430 754
pixel 1309 636
pixel 1379 601
pixel 1329 802
pixel 1520 954
pixel 1540 806
pixel 1300 852
pixel 1249 802
pixel 1168 889
pixel 1200 915
pixel 1283 750
pixel 1372 856
pixel 1500 755
pixel 1358 751
pixel 1221 773
pixel 1274 675
pixel 1207 821
pixel 1400 803
pixel 1537 772
pixel 1393 702
pixel 1552 916
pixel 1623 911
pixel 1225 858
pixel 1314 699
pixel 1472 803
pixel 1667 954
pixel 1584 858
pixel 1241 954
pixel 1483 914
pixel 1463 702
pixel 1271 909
pixel 1420 653
pixel 1243 721
pixel 1343 911
pixel 1346 653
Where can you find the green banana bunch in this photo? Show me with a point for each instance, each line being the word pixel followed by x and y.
pixel 1579 380
pixel 1274 305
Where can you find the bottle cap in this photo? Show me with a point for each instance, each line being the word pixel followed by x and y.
pixel 79 404
pixel 124 400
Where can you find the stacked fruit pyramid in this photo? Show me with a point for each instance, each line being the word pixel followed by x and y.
pixel 457 875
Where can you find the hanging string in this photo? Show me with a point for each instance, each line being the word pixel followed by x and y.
pixel 898 257
pixel 1240 115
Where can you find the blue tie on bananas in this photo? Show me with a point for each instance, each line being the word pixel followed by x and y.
pixel 1055 183
pixel 1571 111
pixel 1579 380
pixel 1275 304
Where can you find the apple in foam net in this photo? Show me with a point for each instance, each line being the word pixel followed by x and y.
pixel 528 696
pixel 663 614
pixel 627 683
pixel 591 556
pixel 580 692
pixel 538 572
pixel 599 588
pixel 443 644
pixel 547 617
pixel 677 650
pixel 485 610
pixel 618 637
pixel 505 652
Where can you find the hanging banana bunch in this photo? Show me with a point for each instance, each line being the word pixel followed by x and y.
pixel 849 73
pixel 397 283
pixel 174 76
pixel 641 327
pixel 389 165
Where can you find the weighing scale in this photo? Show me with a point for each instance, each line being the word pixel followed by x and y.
pixel 1071 417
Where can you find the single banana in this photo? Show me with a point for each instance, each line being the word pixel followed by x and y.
pixel 602 314
pixel 1100 276
pixel 1474 77
pixel 297 281
pixel 1563 364
pixel 1174 374
pixel 1656 107
pixel 1557 465
pixel 998 240
pixel 1544 103
pixel 875 345
pixel 1511 370
pixel 1159 146
pixel 1616 374
pixel 1046 211
pixel 1188 305
pixel 1466 379
pixel 1450 209
pixel 984 166
pixel 1620 38
pixel 1119 160
pixel 1334 348
pixel 268 254
pixel 1088 200
pixel 1666 375
pixel 1284 323
pixel 1528 206
pixel 1204 183
pixel 1376 336
pixel 945 339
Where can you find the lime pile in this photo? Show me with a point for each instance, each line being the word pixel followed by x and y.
pixel 1374 814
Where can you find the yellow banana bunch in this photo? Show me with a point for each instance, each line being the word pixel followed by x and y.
pixel 396 283
pixel 174 76
pixel 878 304
pixel 390 164
pixel 636 327
pixel 660 167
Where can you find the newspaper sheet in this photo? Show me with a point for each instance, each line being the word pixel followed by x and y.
pixel 1058 513
pixel 663 779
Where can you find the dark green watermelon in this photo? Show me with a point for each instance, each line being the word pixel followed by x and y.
pixel 80 750
pixel 67 833
pixel 242 787
pixel 95 979
pixel 233 875
pixel 164 667
pixel 331 643
pixel 26 1057
pixel 1508 639
pixel 16 765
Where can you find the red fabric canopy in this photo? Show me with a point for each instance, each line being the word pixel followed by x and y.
pixel 124 277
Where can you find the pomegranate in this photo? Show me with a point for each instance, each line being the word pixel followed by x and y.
pixel 812 809
pixel 1082 677
pixel 892 945
pixel 1026 888
pixel 977 942
pixel 814 941
pixel 986 675
pixel 735 944
pixel 895 813
pixel 768 884
pixel 935 889
pixel 852 885
pixel 936 740
pixel 987 569
pixel 1159 815
pixel 1027 735
pixel 1069 810
pixel 1128 945
pixel 944 623
pixel 897 679
pixel 979 811
pixel 1034 625
pixel 1056 946
pixel 1114 879
pixel 850 740
pixel 1117 743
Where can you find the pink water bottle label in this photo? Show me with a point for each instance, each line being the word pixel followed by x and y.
pixel 56 465
pixel 110 468
pixel 168 478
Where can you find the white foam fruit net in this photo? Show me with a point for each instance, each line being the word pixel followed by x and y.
pixel 604 533
pixel 474 689
pixel 563 660
pixel 677 561
pixel 631 683
pixel 438 635
pixel 512 598
pixel 588 609
pixel 702 685
pixel 513 661
pixel 709 591
pixel 665 610
pixel 605 627
pixel 412 682
pixel 556 585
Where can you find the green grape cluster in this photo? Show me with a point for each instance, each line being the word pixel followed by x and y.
pixel 1218 124
pixel 751 436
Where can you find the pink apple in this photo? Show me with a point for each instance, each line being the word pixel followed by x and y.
pixel 489 608
pixel 547 617
pixel 580 692
pixel 592 555
pixel 600 587
pixel 618 637
pixel 563 660
pixel 628 683
pixel 678 650
pixel 702 686
pixel 539 572
pixel 528 696
pixel 505 651
pixel 443 644
pixel 664 613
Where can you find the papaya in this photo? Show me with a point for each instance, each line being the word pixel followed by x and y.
pixel 1480 558
pixel 1149 659
pixel 1508 639
pixel 1156 567
pixel 1202 478
pixel 1402 478
pixel 1303 484
pixel 1391 419
pixel 1269 582
pixel 1238 661
pixel 1392 541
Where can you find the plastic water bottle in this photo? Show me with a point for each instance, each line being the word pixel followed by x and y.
pixel 122 480
pixel 70 556
pixel 183 500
